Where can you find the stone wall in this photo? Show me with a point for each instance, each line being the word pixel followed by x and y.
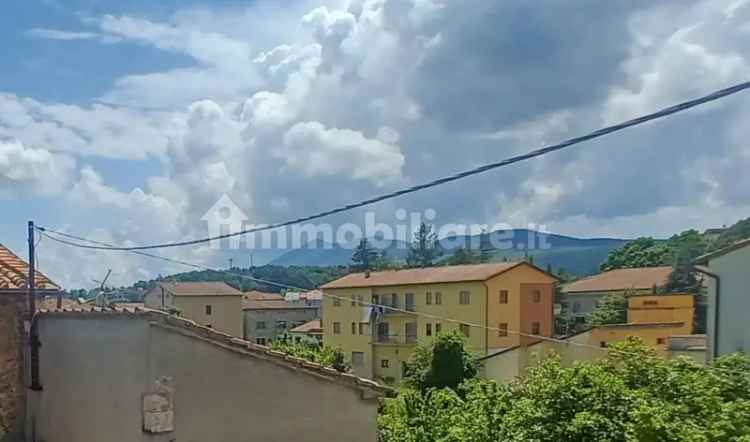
pixel 12 389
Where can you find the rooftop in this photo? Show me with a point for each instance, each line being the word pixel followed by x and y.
pixel 640 278
pixel 200 289
pixel 643 325
pixel 313 326
pixel 223 340
pixel 428 275
pixel 255 295
pixel 14 272
pixel 249 304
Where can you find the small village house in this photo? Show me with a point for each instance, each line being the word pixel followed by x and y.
pixel 510 297
pixel 14 309
pixel 109 375
pixel 267 320
pixel 310 332
pixel 583 296
pixel 727 278
pixel 212 304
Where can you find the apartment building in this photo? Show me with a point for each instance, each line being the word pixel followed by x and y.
pixel 509 297
pixel 212 304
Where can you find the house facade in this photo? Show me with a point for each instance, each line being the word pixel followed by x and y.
pixel 309 332
pixel 379 339
pixel 212 304
pixel 267 320
pixel 14 344
pixel 582 297
pixel 727 277
pixel 127 375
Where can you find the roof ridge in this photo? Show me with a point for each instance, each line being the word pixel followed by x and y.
pixel 226 341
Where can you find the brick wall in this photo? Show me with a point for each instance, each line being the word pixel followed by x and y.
pixel 12 389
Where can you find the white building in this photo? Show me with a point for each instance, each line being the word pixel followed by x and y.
pixel 728 281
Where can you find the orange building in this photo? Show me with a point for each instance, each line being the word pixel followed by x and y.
pixel 677 307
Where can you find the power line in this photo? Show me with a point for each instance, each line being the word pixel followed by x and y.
pixel 475 171
pixel 340 298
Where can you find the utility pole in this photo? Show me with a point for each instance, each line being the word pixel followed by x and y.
pixel 33 331
pixel 31 283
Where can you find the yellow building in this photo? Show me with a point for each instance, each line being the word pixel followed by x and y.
pixel 676 307
pixel 212 304
pixel 378 340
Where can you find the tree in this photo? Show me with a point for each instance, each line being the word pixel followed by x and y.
pixel 440 364
pixel 464 256
pixel 642 252
pixel 629 395
pixel 425 248
pixel 612 309
pixel 364 256
pixel 686 247
pixel 326 356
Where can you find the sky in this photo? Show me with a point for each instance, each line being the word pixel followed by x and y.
pixel 126 121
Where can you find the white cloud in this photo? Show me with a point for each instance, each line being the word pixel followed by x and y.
pixel 315 150
pixel 56 34
pixel 23 168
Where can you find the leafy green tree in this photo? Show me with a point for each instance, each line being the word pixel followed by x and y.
pixel 326 356
pixel 440 364
pixel 628 396
pixel 464 256
pixel 364 256
pixel 612 309
pixel 425 249
pixel 642 252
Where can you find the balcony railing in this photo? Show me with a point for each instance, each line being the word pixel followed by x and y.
pixel 396 339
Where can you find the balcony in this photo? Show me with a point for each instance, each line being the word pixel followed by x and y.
pixel 396 339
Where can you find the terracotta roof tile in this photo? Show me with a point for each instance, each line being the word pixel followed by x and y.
pixel 200 289
pixel 255 295
pixel 14 272
pixel 641 278
pixel 313 326
pixel 705 259
pixel 429 275
pixel 249 304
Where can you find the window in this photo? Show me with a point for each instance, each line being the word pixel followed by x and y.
pixel 576 307
pixel 354 328
pixel 660 341
pixel 280 325
pixel 394 300
pixel 209 310
pixel 383 332
pixel 360 300
pixel 337 302
pixel 362 328
pixel 535 328
pixel 603 344
pixel 260 341
pixel 260 325
pixel 464 298
pixel 409 302
pixel 502 329
pixel 503 297
pixel 428 298
pixel 438 298
pixel 354 300
pixel 465 329
pixel 358 359
pixel 384 363
pixel 537 295
pixel 375 299
pixel 336 328
pixel 428 330
pixel 438 328
pixel 411 332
